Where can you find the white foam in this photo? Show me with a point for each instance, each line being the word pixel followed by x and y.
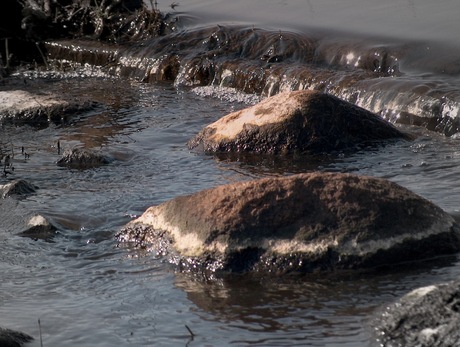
pixel 226 94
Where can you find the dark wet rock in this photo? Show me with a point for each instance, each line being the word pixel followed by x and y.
pixel 296 121
pixel 17 187
pixel 12 338
pixel 81 158
pixel 426 317
pixel 301 223
pixel 15 219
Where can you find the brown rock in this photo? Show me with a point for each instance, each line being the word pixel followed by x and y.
pixel 296 121
pixel 16 187
pixel 305 222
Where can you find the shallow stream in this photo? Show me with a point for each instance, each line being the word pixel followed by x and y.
pixel 88 291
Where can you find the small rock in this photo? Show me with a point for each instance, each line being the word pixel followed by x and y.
pixel 16 187
pixel 11 338
pixel 426 317
pixel 81 158
pixel 38 227
pixel 16 219
pixel 24 107
pixel 299 121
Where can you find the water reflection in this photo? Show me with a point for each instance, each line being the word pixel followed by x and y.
pixel 335 309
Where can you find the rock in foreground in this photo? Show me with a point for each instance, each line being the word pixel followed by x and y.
pixel 426 317
pixel 295 121
pixel 301 223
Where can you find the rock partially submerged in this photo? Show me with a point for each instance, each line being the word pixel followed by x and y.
pixel 296 121
pixel 12 338
pixel 426 317
pixel 24 107
pixel 15 219
pixel 81 158
pixel 16 187
pixel 300 223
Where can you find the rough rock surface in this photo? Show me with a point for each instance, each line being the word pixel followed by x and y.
pixel 426 317
pixel 16 187
pixel 81 158
pixel 304 223
pixel 11 338
pixel 295 121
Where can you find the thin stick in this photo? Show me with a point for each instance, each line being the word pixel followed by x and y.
pixel 190 331
pixel 43 56
pixel 7 53
pixel 40 331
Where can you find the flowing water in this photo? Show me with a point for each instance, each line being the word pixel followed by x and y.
pixel 88 291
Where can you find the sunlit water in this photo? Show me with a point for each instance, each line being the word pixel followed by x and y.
pixel 87 291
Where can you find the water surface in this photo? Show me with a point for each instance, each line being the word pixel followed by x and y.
pixel 86 290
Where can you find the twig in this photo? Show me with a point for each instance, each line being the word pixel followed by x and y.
pixel 192 335
pixel 40 332
pixel 43 56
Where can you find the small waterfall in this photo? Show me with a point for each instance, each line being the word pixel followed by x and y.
pixel 403 82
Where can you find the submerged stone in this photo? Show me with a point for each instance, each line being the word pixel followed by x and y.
pixel 16 219
pixel 81 158
pixel 426 317
pixel 12 338
pixel 296 121
pixel 16 187
pixel 38 227
pixel 301 223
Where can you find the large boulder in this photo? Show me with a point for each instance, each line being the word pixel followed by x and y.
pixel 426 317
pixel 296 121
pixel 300 223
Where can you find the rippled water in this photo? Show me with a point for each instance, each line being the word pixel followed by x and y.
pixel 86 291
